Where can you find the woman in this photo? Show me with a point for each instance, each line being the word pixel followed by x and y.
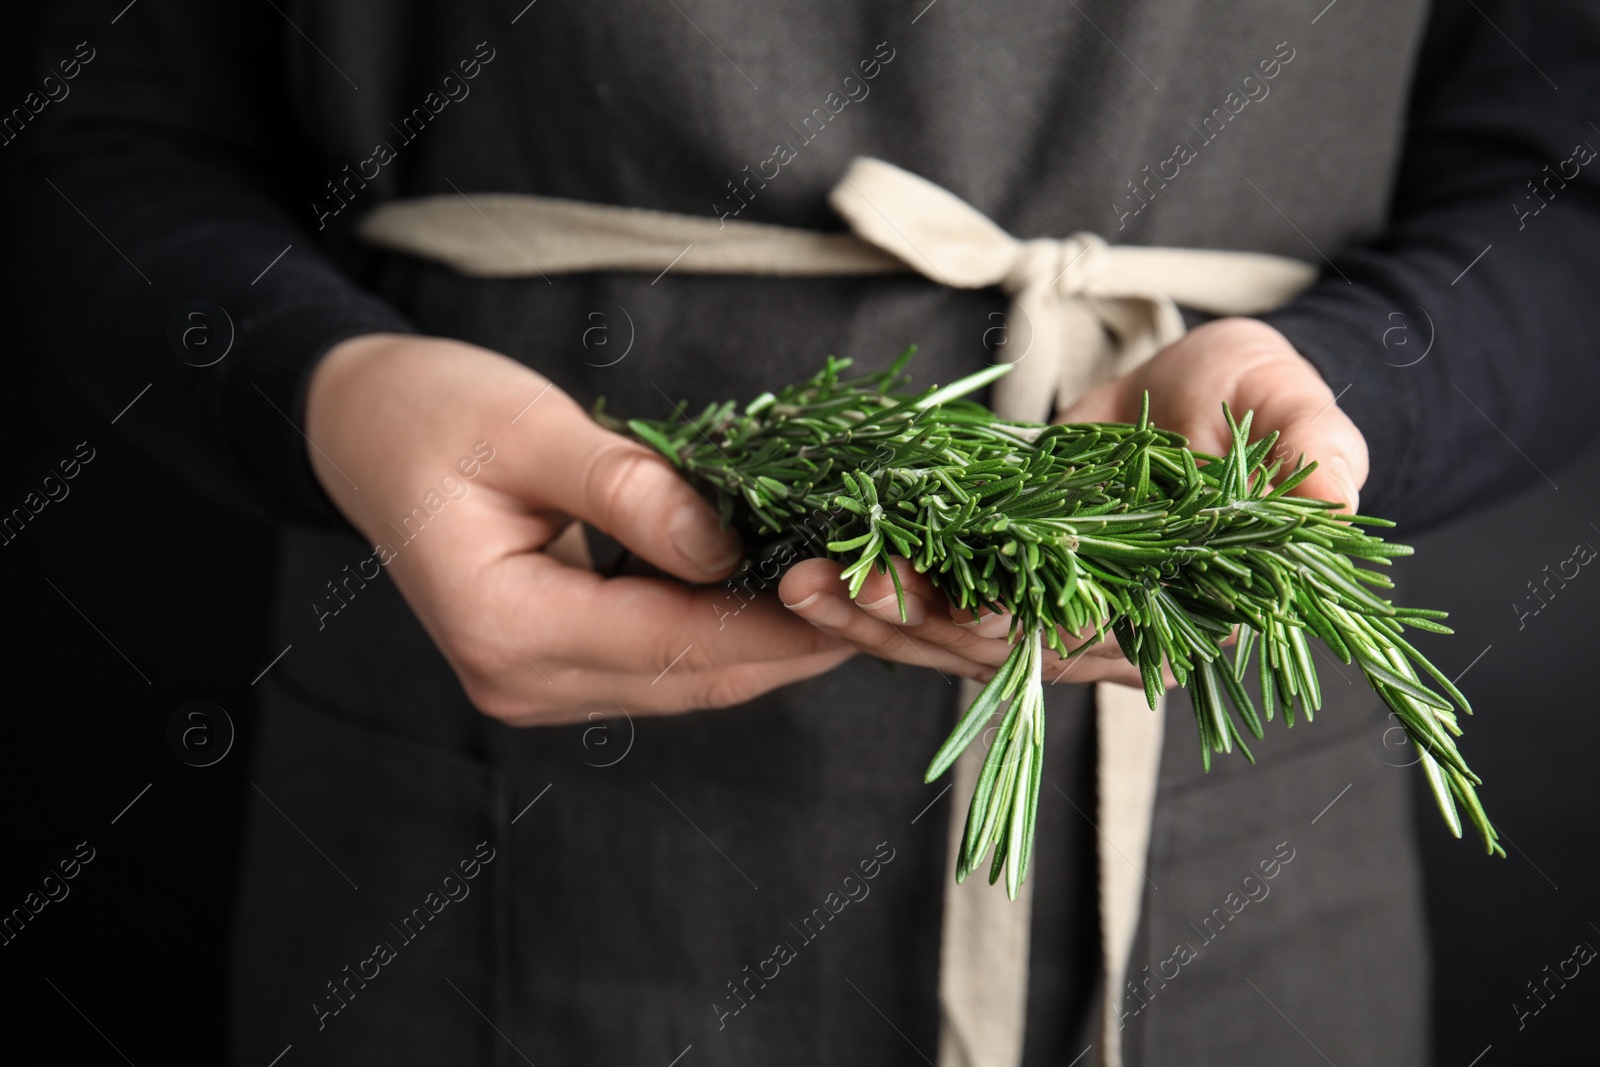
pixel 470 884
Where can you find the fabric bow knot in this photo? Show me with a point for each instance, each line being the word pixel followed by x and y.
pixel 1082 311
pixel 1067 265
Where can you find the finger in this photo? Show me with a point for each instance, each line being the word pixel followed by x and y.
pixel 1341 454
pixel 940 641
pixel 727 687
pixel 985 640
pixel 1102 663
pixel 1119 671
pixel 838 616
pixel 922 601
pixel 645 621
pixel 627 490
pixel 982 623
pixel 1103 403
pixel 998 624
pixel 1085 669
pixel 813 591
pixel 532 700
pixel 1290 396
pixel 531 608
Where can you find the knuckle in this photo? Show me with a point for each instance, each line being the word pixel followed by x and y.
pixel 528 704
pixel 483 662
pixel 494 702
pixel 883 641
pixel 974 646
pixel 619 474
pixel 816 642
pixel 729 688
pixel 675 653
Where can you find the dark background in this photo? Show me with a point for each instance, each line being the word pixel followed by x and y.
pixel 180 588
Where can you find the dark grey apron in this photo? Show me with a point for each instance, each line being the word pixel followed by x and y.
pixel 628 914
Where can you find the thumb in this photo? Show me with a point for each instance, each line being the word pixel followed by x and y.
pixel 1106 402
pixel 629 491
pixel 1315 427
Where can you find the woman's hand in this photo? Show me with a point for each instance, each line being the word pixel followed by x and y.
pixel 1251 367
pixel 1242 362
pixel 935 634
pixel 530 637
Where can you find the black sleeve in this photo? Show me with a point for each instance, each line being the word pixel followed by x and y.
pixel 1491 258
pixel 163 175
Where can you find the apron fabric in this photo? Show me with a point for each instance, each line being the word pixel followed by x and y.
pixel 1082 312
pixel 620 911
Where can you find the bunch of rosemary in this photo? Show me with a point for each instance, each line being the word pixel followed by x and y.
pixel 1082 529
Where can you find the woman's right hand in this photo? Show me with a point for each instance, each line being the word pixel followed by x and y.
pixel 530 637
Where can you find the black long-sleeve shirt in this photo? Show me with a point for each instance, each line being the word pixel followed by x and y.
pixel 175 169
pixel 1489 267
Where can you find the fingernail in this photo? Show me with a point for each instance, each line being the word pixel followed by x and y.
pixel 711 551
pixel 1339 467
pixel 888 609
pixel 823 610
pixel 990 624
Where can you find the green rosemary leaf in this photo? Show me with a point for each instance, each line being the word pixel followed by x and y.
pixel 899 590
pixel 1035 784
pixel 854 542
pixel 1307 670
pixel 1088 529
pixel 1411 689
pixel 1016 831
pixel 1441 791
pixel 1240 698
pixel 1241 655
pixel 998 803
pixel 1209 695
pixel 1269 687
pixel 1233 731
pixel 976 716
pixel 662 443
pixel 1290 483
pixel 1428 625
pixel 970 384
pixel 1444 683
pixel 1462 790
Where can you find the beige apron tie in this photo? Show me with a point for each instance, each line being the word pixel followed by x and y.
pixel 1082 312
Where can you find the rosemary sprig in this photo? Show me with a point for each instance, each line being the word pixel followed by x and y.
pixel 1082 530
